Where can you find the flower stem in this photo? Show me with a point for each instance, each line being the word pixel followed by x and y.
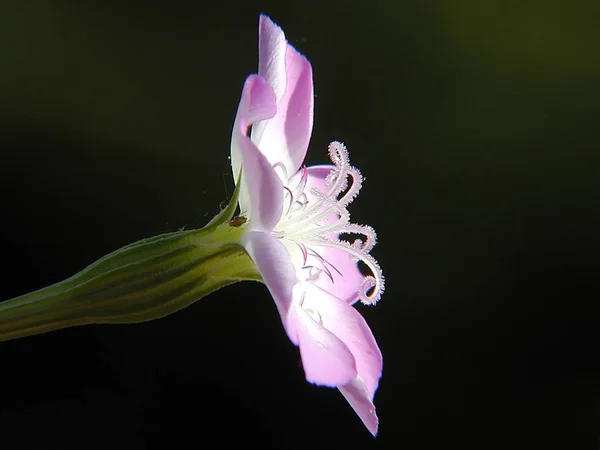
pixel 143 281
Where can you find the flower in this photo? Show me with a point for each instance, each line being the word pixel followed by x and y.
pixel 295 218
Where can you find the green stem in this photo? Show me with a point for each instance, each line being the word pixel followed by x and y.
pixel 142 281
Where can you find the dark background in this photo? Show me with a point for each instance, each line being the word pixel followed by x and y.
pixel 476 124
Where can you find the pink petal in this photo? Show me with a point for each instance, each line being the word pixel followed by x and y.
pixel 346 278
pixel 265 191
pixel 271 55
pixel 261 193
pixel 360 400
pixel 325 358
pixel 351 328
pixel 284 138
pixel 275 266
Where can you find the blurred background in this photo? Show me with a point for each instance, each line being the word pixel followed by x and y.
pixel 476 125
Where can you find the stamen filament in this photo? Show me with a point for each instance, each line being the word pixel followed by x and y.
pixel 321 219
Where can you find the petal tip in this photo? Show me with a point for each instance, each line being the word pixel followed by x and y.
pixel 265 22
pixel 373 425
pixel 362 403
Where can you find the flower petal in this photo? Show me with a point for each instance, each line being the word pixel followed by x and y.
pixel 261 193
pixel 325 358
pixel 344 279
pixel 350 327
pixel 271 55
pixel 256 103
pixel 275 266
pixel 358 397
pixel 284 138
pixel 264 201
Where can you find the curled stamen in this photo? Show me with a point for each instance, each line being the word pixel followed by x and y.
pixel 370 283
pixel 376 281
pixel 338 154
pixel 338 179
pixel 363 230
pixel 320 217
pixel 353 188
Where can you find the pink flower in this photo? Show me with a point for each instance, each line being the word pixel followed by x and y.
pixel 295 216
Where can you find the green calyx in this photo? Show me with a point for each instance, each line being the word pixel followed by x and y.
pixel 142 281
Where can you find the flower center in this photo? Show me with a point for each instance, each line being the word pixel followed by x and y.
pixel 319 217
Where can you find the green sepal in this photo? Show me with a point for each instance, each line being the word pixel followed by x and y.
pixel 227 214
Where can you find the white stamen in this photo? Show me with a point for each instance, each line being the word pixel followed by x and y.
pixel 322 220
